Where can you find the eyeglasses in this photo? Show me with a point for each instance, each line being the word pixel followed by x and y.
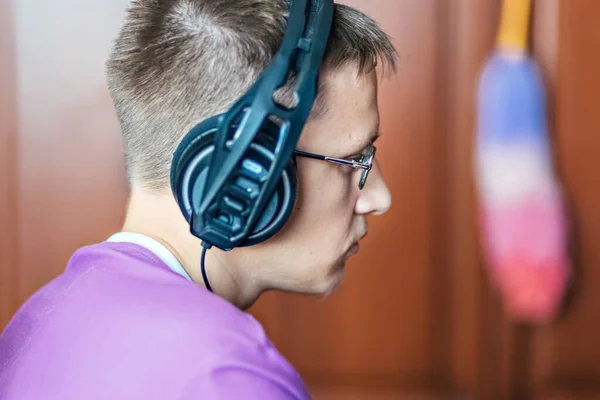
pixel 364 161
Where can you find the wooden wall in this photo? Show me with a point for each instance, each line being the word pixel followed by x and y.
pixel 415 317
pixel 8 160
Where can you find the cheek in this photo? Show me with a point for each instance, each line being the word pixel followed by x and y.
pixel 326 191
pixel 323 216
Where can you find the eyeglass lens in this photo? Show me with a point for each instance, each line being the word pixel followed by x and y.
pixel 366 159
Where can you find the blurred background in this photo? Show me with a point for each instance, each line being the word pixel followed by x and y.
pixel 416 317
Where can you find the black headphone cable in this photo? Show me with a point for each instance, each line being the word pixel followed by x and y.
pixel 205 247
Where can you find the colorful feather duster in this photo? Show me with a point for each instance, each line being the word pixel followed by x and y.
pixel 522 215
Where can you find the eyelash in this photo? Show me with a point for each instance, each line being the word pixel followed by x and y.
pixel 358 157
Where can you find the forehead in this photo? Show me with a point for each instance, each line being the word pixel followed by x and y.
pixel 351 116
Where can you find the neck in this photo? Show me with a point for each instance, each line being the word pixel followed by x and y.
pixel 158 216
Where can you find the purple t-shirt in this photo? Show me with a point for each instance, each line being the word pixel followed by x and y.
pixel 120 324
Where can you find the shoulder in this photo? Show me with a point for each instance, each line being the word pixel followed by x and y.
pixel 243 363
pixel 226 351
pixel 223 350
pixel 135 317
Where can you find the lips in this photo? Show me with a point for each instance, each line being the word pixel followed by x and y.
pixel 354 249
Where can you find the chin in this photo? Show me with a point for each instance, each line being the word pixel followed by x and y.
pixel 325 279
pixel 332 281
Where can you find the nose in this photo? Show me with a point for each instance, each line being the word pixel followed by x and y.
pixel 375 197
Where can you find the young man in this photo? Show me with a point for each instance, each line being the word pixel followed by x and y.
pixel 129 318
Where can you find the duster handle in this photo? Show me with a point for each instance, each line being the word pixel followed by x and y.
pixel 514 25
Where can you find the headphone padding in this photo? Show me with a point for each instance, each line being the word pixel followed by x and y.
pixel 192 158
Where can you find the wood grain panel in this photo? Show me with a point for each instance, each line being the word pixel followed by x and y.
pixel 567 354
pixel 477 344
pixel 8 146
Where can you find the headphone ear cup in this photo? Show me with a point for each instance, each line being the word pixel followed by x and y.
pixel 190 169
pixel 280 206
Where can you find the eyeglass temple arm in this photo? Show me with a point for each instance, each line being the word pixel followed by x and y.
pixel 351 163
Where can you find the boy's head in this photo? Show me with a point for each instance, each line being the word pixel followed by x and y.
pixel 178 62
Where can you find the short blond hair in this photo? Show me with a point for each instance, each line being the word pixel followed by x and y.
pixel 177 62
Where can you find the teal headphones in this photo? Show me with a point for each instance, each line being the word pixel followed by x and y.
pixel 234 175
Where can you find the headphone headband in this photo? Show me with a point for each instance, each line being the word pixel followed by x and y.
pixel 301 53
